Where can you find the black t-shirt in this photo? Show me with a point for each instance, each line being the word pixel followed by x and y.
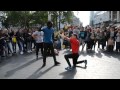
pixel 70 33
pixel 6 37
pixel 11 34
pixel 19 36
pixel 27 37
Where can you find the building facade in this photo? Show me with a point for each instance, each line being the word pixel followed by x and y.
pixel 106 18
pixel 76 21
pixel 91 18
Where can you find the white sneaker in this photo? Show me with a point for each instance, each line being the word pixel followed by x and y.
pixel 28 51
pixel 21 53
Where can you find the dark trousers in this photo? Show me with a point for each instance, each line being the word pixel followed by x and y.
pixel 110 48
pixel 34 44
pixel 117 46
pixel 20 45
pixel 88 45
pixel 1 50
pixel 92 43
pixel 99 41
pixel 74 57
pixel 39 46
pixel 46 47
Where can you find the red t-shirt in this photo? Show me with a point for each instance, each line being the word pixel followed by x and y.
pixel 74 45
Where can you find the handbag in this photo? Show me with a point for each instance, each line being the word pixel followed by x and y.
pixel 14 39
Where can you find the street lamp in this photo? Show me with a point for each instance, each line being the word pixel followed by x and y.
pixel 49 16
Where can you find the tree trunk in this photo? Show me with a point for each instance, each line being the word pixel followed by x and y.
pixel 56 24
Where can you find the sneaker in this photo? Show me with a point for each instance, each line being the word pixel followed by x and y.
pixel 3 56
pixel 57 63
pixel 85 62
pixel 73 67
pixel 21 53
pixel 68 68
pixel 44 64
pixel 30 51
pixel 36 57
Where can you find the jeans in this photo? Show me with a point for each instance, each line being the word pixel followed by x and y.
pixel 82 41
pixel 9 47
pixel 29 46
pixel 20 45
pixel 14 46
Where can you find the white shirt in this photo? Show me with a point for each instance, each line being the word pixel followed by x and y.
pixel 39 36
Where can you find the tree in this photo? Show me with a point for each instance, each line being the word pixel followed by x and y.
pixel 40 17
pixel 29 18
pixel 66 17
pixel 26 18
pixel 12 18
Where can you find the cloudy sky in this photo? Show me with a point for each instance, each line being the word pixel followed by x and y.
pixel 84 16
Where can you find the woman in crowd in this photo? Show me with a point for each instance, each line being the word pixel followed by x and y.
pixel 88 39
pixel 92 37
pixel 8 48
pixel 118 40
pixel 19 38
pixel 110 45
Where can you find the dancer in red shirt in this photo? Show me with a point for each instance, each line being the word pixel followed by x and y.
pixel 75 51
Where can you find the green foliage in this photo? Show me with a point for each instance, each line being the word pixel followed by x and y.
pixel 29 18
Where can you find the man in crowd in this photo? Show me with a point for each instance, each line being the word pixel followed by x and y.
pixel 75 51
pixel 48 42
pixel 38 37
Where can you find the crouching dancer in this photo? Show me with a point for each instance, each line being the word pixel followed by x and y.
pixel 75 51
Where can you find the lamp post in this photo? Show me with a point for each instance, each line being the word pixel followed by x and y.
pixel 49 16
pixel 59 16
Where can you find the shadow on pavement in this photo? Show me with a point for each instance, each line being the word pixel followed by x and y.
pixel 38 74
pixel 11 72
pixel 90 53
pixel 112 54
pixel 85 67
pixel 99 55
pixel 5 60
pixel 69 74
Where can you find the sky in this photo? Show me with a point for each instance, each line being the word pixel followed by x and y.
pixel 84 16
